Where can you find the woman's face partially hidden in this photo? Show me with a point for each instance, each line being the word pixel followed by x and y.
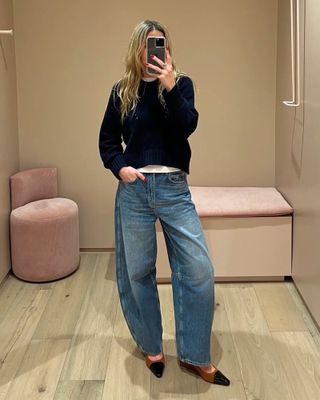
pixel 144 51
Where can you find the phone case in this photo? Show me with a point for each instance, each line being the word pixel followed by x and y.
pixel 157 51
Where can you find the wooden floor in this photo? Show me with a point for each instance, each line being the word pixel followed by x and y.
pixel 69 340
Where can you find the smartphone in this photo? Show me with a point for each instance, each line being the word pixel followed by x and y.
pixel 155 45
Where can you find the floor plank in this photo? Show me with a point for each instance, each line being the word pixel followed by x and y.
pixel 87 357
pixel 301 360
pixel 63 309
pixel 278 307
pixel 38 375
pixel 305 315
pixel 126 377
pixel 262 373
pixel 79 390
pixel 16 331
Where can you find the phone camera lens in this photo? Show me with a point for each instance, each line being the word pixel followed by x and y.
pixel 159 42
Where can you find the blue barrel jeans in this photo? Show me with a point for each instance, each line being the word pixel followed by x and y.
pixel 138 204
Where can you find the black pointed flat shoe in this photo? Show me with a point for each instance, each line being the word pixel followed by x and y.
pixel 156 367
pixel 216 376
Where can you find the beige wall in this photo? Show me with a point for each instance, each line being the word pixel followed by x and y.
pixel 9 151
pixel 298 148
pixel 70 53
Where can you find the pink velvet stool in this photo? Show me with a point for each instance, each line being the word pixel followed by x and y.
pixel 44 228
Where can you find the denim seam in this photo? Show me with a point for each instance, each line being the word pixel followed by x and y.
pixel 158 301
pixel 118 233
pixel 179 297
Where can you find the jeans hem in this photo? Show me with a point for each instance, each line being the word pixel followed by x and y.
pixel 147 352
pixel 186 360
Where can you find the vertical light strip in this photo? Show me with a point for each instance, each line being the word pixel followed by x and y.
pixel 295 54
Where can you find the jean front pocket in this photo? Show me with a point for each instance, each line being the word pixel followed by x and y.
pixel 130 183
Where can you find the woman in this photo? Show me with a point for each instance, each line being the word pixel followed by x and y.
pixel 155 115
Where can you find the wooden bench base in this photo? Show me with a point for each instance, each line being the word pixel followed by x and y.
pixel 241 248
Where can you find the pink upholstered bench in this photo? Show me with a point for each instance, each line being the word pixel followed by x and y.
pixel 247 229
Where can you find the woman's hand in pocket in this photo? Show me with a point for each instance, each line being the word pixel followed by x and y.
pixel 130 174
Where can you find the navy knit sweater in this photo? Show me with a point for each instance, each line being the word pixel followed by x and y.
pixel 153 134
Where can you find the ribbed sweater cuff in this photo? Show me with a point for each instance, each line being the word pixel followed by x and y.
pixel 116 164
pixel 174 97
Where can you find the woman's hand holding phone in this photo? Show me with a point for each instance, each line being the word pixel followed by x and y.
pixel 165 71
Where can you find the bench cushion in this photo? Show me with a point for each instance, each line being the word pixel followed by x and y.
pixel 238 201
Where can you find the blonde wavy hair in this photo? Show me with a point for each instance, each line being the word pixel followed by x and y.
pixel 127 87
